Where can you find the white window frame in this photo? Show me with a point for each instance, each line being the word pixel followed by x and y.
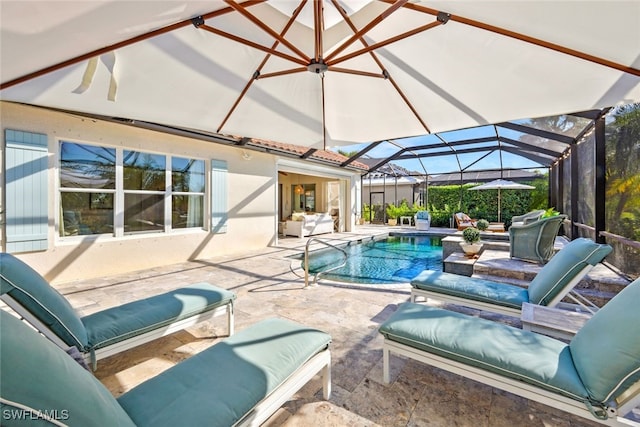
pixel 119 196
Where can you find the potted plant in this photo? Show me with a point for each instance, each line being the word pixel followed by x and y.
pixel 482 224
pixel 471 244
pixel 393 212
pixel 549 213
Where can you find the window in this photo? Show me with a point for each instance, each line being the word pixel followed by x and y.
pixel 87 189
pixel 187 186
pixel 144 178
pixel 114 191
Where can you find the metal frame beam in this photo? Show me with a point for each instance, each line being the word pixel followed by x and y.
pixel 600 184
pixel 537 132
pixel 530 147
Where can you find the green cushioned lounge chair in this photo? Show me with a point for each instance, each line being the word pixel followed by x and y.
pixel 239 381
pixel 554 282
pixel 113 330
pixel 596 375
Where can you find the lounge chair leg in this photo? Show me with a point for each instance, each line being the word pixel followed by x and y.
pixel 385 366
pixel 326 381
pixel 414 297
pixel 230 318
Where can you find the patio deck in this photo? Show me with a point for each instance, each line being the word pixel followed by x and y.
pixel 418 395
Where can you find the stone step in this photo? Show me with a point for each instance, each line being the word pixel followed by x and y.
pixel 604 279
pixel 599 285
pixel 497 263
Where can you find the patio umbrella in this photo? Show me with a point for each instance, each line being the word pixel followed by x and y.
pixel 320 73
pixel 502 184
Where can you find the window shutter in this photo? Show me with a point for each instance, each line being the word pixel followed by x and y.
pixel 219 196
pixel 26 194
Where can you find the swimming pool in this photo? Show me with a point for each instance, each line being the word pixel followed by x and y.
pixel 396 259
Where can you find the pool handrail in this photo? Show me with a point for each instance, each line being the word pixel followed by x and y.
pixel 306 260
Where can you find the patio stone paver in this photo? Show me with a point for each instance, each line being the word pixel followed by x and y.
pixel 419 395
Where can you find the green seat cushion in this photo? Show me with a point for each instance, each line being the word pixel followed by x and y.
pixel 563 268
pixel 32 291
pixel 471 288
pixel 223 383
pixel 119 323
pixel 38 376
pixel 522 355
pixel 606 350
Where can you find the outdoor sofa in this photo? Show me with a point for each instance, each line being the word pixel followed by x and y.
pixel 115 329
pixel 239 381
pixel 304 225
pixel 596 375
pixel 553 282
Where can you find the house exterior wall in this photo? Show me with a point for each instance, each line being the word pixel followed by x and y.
pixel 393 193
pixel 251 201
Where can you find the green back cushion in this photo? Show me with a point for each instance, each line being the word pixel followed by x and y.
pixel 606 351
pixel 39 376
pixel 563 267
pixel 33 292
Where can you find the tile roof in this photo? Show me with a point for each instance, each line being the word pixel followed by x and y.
pixel 322 155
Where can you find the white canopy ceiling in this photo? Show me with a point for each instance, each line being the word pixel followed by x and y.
pixel 479 62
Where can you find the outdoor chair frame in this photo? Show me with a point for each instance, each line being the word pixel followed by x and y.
pixel 555 281
pixel 114 329
pixel 596 375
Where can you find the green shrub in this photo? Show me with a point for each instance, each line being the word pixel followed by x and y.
pixel 549 213
pixel 471 235
pixel 366 212
pixel 482 224
pixel 393 211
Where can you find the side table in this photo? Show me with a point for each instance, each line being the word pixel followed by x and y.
pixel 556 322
pixel 403 219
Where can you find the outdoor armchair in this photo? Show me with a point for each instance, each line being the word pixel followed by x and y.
pixel 464 221
pixel 534 241
pixel 527 218
pixel 422 220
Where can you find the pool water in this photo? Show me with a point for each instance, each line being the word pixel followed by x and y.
pixel 396 259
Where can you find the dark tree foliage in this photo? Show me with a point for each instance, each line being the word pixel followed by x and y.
pixel 623 172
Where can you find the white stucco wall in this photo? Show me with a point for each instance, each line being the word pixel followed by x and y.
pixel 251 200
